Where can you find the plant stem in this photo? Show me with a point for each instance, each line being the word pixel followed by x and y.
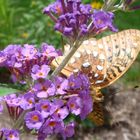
pixel 20 120
pixel 65 60
pixel 109 5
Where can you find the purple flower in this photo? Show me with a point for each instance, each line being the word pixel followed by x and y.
pixel 10 52
pixel 44 89
pixel 1 106
pixel 73 5
pixel 75 105
pixel 11 49
pixel 49 51
pixel 27 101
pixel 12 100
pixel 103 19
pixel 3 58
pixel 58 103
pixel 44 107
pixel 84 29
pixel 68 131
pixel 61 113
pixel 61 85
pixel 58 110
pixel 40 71
pixel 29 52
pixel 34 120
pixel 78 82
pixel 56 8
pixel 67 31
pixel 51 126
pixel 71 18
pixel 13 105
pixel 11 134
pixel 86 9
pixel 87 104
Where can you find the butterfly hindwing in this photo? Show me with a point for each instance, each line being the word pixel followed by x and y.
pixel 97 115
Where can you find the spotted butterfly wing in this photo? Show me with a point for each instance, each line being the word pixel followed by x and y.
pixel 104 60
pixel 108 58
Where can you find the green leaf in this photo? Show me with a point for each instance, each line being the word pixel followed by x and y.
pixel 6 91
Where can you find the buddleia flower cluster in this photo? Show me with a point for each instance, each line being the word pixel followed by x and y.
pixel 74 19
pixel 46 101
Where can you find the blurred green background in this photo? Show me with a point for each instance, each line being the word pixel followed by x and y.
pixel 22 21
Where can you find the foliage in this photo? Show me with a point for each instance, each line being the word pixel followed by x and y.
pixel 6 90
pixel 23 22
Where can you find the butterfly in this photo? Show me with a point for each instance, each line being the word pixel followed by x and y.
pixel 104 61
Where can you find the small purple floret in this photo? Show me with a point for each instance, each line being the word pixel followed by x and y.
pixel 75 105
pixel 27 101
pixel 44 89
pixel 68 131
pixel 49 51
pixel 40 71
pixel 44 107
pixel 61 85
pixel 103 19
pixel 11 134
pixel 34 120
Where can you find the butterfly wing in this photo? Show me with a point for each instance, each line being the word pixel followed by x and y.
pixel 87 52
pixel 125 47
pixel 109 57
pixel 97 115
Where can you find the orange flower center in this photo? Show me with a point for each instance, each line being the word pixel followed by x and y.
pixel 57 111
pixel 35 118
pixel 44 88
pixel 11 135
pixel 44 106
pixel 30 102
pixel 40 74
pixel 72 84
pixel 72 105
pixel 52 123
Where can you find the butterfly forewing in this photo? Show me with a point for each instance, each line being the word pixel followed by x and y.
pixel 109 57
pixel 128 45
